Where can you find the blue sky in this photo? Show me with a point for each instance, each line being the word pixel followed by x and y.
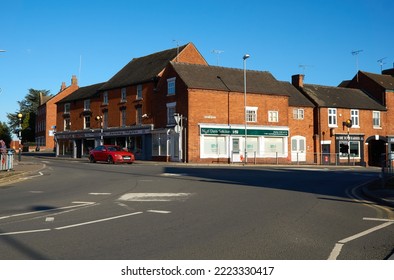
pixel 48 41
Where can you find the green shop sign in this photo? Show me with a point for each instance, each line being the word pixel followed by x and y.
pixel 236 131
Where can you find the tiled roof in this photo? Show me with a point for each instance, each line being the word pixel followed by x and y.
pixel 228 79
pixel 386 81
pixel 82 93
pixel 142 69
pixel 337 97
pixel 296 98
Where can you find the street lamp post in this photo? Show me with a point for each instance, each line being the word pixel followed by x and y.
pixel 100 119
pixel 245 57
pixel 20 136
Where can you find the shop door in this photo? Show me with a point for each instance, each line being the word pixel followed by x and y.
pixel 298 152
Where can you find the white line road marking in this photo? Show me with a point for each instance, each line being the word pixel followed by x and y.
pixel 338 246
pixel 81 204
pixel 104 193
pixel 379 220
pixel 36 191
pixel 24 232
pixel 336 251
pixel 365 232
pixel 154 196
pixel 98 221
pixel 159 211
pixel 49 219
pixel 173 174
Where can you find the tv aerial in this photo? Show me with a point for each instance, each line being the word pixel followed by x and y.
pixel 217 52
pixel 380 61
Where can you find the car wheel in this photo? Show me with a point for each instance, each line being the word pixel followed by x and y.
pixel 110 160
pixel 91 159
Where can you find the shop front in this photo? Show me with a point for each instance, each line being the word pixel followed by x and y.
pixel 77 144
pixel 238 145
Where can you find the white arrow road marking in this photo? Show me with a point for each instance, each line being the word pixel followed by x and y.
pixel 154 196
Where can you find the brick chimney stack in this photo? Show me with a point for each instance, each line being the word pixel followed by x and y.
pixel 74 80
pixel 63 86
pixel 298 80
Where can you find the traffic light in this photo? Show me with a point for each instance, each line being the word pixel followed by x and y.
pixel 348 123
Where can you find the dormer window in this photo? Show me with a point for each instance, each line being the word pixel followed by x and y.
pixel 171 86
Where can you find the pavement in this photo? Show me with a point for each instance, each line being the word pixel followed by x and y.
pixel 375 190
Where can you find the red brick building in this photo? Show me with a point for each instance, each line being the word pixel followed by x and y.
pixel 46 115
pixel 335 142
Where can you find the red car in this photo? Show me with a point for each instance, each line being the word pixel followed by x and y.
pixel 111 154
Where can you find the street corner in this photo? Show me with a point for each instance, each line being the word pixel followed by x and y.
pixel 19 170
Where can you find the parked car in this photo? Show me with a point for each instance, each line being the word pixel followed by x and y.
pixel 111 154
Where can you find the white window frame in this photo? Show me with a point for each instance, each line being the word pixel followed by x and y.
pixel 86 122
pixel 332 117
pixel 376 119
pixel 298 114
pixel 171 110
pixel 67 124
pixel 251 114
pixel 355 117
pixel 139 92
pixel 273 116
pixel 86 105
pixel 105 97
pixel 171 86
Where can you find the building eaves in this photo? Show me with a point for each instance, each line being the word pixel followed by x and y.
pixel 142 69
pixel 82 93
pixel 338 97
pixel 198 76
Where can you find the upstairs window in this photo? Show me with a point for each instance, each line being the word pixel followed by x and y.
pixel 105 97
pixel 86 105
pixel 251 114
pixel 298 114
pixel 139 92
pixel 123 95
pixel 273 116
pixel 332 117
pixel 354 115
pixel 67 124
pixel 67 108
pixel 123 117
pixel 138 115
pixel 86 122
pixel 171 110
pixel 171 86
pixel 376 119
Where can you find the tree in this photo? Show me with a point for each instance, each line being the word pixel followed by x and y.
pixel 28 108
pixel 5 133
